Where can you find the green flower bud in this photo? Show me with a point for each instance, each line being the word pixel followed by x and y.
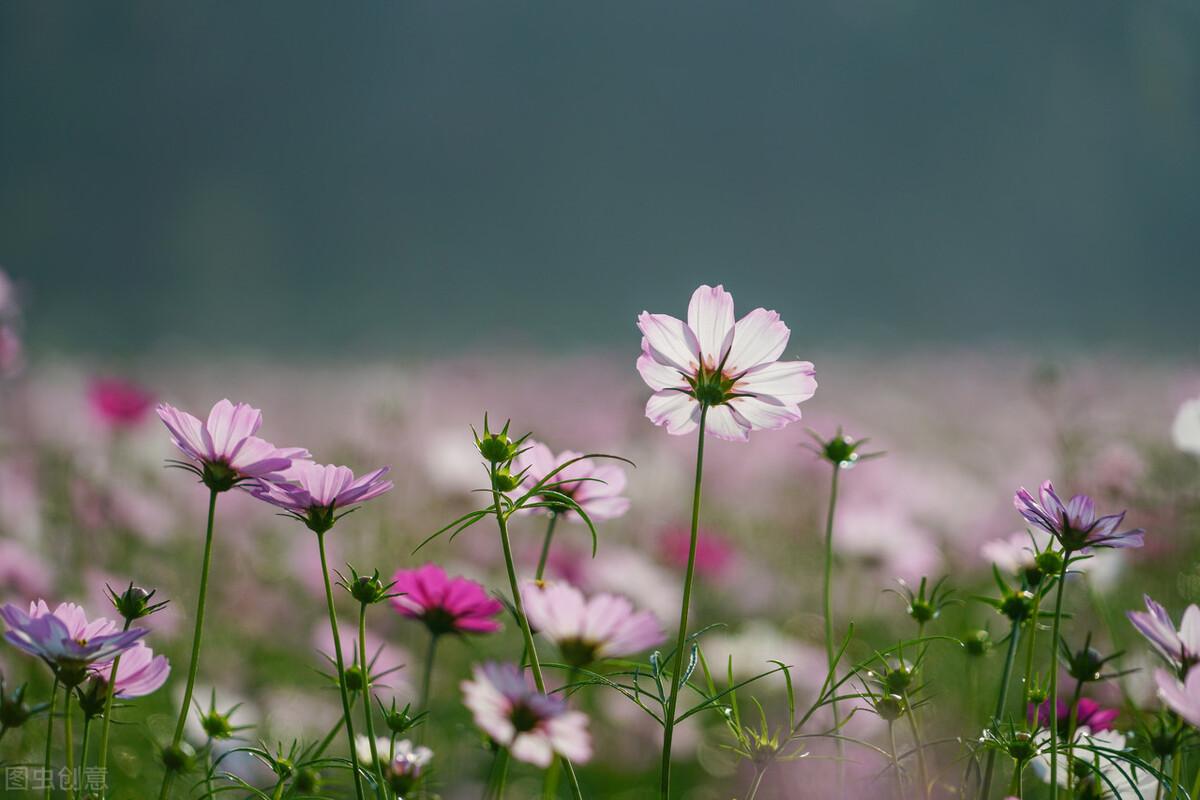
pixel 505 481
pixel 977 643
pixel 1017 606
pixel 177 758
pixel 1050 562
pixel 890 707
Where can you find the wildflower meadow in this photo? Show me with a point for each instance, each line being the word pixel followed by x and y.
pixel 706 569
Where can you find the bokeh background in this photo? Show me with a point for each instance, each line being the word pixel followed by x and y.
pixel 377 221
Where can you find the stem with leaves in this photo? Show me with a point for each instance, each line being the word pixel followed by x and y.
pixel 368 711
pixel 827 610
pixel 1054 638
pixel 50 731
pixel 541 567
pixel 1014 638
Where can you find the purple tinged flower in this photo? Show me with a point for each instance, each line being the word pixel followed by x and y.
pixel 65 638
pixel 533 726
pixel 732 367
pixel 1090 715
pixel 587 630
pixel 315 492
pixel 1182 697
pixel 225 446
pixel 596 487
pixel 444 604
pixel 139 672
pixel 1074 524
pixel 1179 647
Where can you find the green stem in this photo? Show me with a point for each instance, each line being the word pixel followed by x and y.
pixel 498 775
pixel 50 731
pixel 108 705
pixel 83 749
pixel 367 709
pixel 681 639
pixel 278 793
pixel 1015 788
pixel 1029 654
pixel 1176 770
pixel 1072 722
pixel 69 756
pixel 918 745
pixel 895 761
pixel 1196 787
pixel 759 774
pixel 340 663
pixel 1014 637
pixel 169 775
pixel 329 737
pixel 427 675
pixel 550 780
pixel 1062 580
pixel 535 666
pixel 541 567
pixel 827 610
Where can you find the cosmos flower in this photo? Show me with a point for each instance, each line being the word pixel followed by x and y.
pixel 1090 715
pixel 119 403
pixel 65 638
pixel 1015 553
pixel 225 446
pixel 732 367
pixel 587 630
pixel 139 672
pixel 1074 524
pixel 1183 697
pixel 1117 779
pixel 533 726
pixel 714 554
pixel 1179 647
pixel 11 352
pixel 1185 432
pixel 596 487
pixel 444 604
pixel 317 492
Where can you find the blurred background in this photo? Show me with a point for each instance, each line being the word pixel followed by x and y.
pixel 407 177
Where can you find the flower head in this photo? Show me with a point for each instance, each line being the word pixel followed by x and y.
pixel 225 447
pixel 1179 647
pixel 533 726
pixel 596 487
pixel 1074 524
pixel 139 672
pixel 444 604
pixel 119 403
pixel 1181 696
pixel 1090 715
pixel 586 630
pixel 715 555
pixel 733 368
pixel 316 493
pixel 65 638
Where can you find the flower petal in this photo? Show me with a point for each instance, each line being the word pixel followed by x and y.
pixel 669 341
pixel 759 338
pixel 678 412
pixel 710 316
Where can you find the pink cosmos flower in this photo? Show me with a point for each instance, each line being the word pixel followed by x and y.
pixel 317 492
pixel 604 626
pixel 11 352
pixel 1074 524
pixel 225 446
pixel 533 726
pixel 445 605
pixel 119 403
pixel 1090 715
pixel 1183 697
pixel 596 487
pixel 139 672
pixel 1179 647
pixel 714 555
pixel 733 367
pixel 64 637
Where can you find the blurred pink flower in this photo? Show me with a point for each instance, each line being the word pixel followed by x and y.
pixel 139 672
pixel 445 605
pixel 533 726
pixel 596 487
pixel 1089 714
pixel 227 441
pixel 11 352
pixel 22 572
pixel 732 367
pixel 587 630
pixel 1185 431
pixel 714 555
pixel 119 403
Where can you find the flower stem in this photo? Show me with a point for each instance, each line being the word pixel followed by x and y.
pixel 1062 580
pixel 1014 637
pixel 329 737
pixel 185 708
pixel 83 749
pixel 681 639
pixel 541 567
pixel 1015 788
pixel 498 776
pixel 1176 769
pixel 1029 654
pixel 918 745
pixel 102 762
pixel 69 756
pixel 427 675
pixel 50 731
pixel 367 710
pixel 1196 787
pixel 1072 723
pixel 895 761
pixel 340 663
pixel 827 610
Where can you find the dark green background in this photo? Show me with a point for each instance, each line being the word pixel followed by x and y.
pixel 304 176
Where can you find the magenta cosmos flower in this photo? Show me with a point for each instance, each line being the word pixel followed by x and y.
pixel 316 493
pixel 587 630
pixel 65 639
pixel 1074 524
pixel 444 604
pixel 533 726
pixel 1182 697
pixel 596 487
pixel 225 447
pixel 119 403
pixel 1179 647
pixel 732 367
pixel 714 555
pixel 139 672
pixel 1090 715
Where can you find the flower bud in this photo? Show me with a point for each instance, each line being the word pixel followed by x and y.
pixel 1021 747
pixel 505 481
pixel 898 678
pixel 977 643
pixel 13 711
pixel 890 707
pixel 921 611
pixel 367 589
pixel 1050 562
pixel 217 725
pixel 94 697
pixel 307 782
pixel 1017 606
pixel 355 678
pixel 1085 664
pixel 134 603
pixel 177 757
